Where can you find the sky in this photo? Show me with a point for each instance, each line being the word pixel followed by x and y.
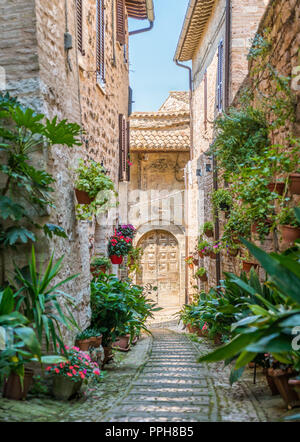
pixel 153 72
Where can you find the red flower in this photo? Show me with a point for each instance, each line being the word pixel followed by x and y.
pixel 69 374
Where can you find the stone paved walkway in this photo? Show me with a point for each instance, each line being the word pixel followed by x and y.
pixel 170 387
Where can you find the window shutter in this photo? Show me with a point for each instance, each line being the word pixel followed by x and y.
pixel 79 26
pixel 205 100
pixel 220 77
pixel 128 151
pixel 123 154
pixel 121 33
pixel 100 56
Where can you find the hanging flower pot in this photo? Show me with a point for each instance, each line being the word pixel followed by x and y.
pixel 248 265
pixel 276 187
pixel 83 197
pixel 12 385
pixel 295 183
pixel 213 255
pixel 196 261
pixel 233 252
pixel 116 259
pixel 290 233
pixel 200 253
pixel 209 233
pixel 203 278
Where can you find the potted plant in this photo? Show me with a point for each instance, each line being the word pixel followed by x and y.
pixel 232 248
pixel 276 187
pixel 208 229
pixel 294 182
pixel 201 274
pixel 190 261
pixel 127 230
pixel 215 249
pixel 94 189
pixel 247 265
pixel 204 248
pixel 69 376
pixel 222 200
pixel 99 264
pixel 295 384
pixel 84 340
pixel 290 226
pixel 118 246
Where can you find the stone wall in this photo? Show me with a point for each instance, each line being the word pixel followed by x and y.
pixel 44 76
pixel 245 18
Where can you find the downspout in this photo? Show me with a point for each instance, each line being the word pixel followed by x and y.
pixel 226 105
pixel 186 217
pixel 139 31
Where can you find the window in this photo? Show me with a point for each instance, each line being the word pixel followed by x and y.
pixel 79 26
pixel 121 32
pixel 100 37
pixel 124 141
pixel 220 77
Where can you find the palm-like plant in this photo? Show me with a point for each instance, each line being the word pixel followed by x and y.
pixel 38 300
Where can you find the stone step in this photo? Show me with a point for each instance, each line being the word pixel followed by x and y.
pixel 177 375
pixel 175 400
pixel 179 383
pixel 158 417
pixel 172 392
pixel 165 407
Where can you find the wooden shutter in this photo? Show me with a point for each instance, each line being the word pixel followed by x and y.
pixel 128 151
pixel 121 33
pixel 123 152
pixel 205 100
pixel 220 77
pixel 79 26
pixel 100 33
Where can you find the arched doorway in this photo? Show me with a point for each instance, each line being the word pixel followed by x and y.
pixel 160 266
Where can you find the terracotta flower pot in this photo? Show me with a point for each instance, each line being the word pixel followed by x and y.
pixel 271 383
pixel 64 388
pixel 295 384
pixel 255 226
pixel 213 255
pixel 191 266
pixel 96 341
pixel 248 265
pixel 196 262
pixel 83 197
pixel 97 270
pixel 12 385
pixel 289 233
pixel 209 233
pixel 200 253
pixel 281 379
pixel 83 344
pixel 218 339
pixel 276 187
pixel 122 343
pixel 116 259
pixel 295 183
pixel 203 278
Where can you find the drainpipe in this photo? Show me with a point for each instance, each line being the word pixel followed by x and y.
pixel 139 31
pixel 226 105
pixel 186 178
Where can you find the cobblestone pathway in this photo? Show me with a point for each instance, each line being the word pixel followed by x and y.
pixel 170 387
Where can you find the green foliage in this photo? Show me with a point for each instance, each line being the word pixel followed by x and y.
pixel 273 312
pixel 134 260
pixel 287 216
pixel 208 225
pixel 118 308
pixel 101 261
pixel 241 135
pixel 38 296
pixel 92 178
pixel 222 200
pixel 87 333
pixel 200 272
pixel 26 188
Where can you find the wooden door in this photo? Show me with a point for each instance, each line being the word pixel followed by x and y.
pixel 160 266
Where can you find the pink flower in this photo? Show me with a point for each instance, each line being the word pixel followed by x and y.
pixel 48 368
pixel 96 372
pixel 69 374
pixel 56 370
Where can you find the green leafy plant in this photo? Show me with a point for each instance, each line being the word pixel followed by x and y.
pixel 119 245
pixel 38 297
pixel 99 261
pixel 25 193
pixel 207 226
pixel 87 333
pixel 200 272
pixel 134 260
pixel 92 178
pixel 222 200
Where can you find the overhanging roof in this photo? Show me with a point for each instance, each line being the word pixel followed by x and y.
pixel 197 16
pixel 140 9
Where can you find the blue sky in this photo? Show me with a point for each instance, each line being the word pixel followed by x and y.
pixel 152 70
